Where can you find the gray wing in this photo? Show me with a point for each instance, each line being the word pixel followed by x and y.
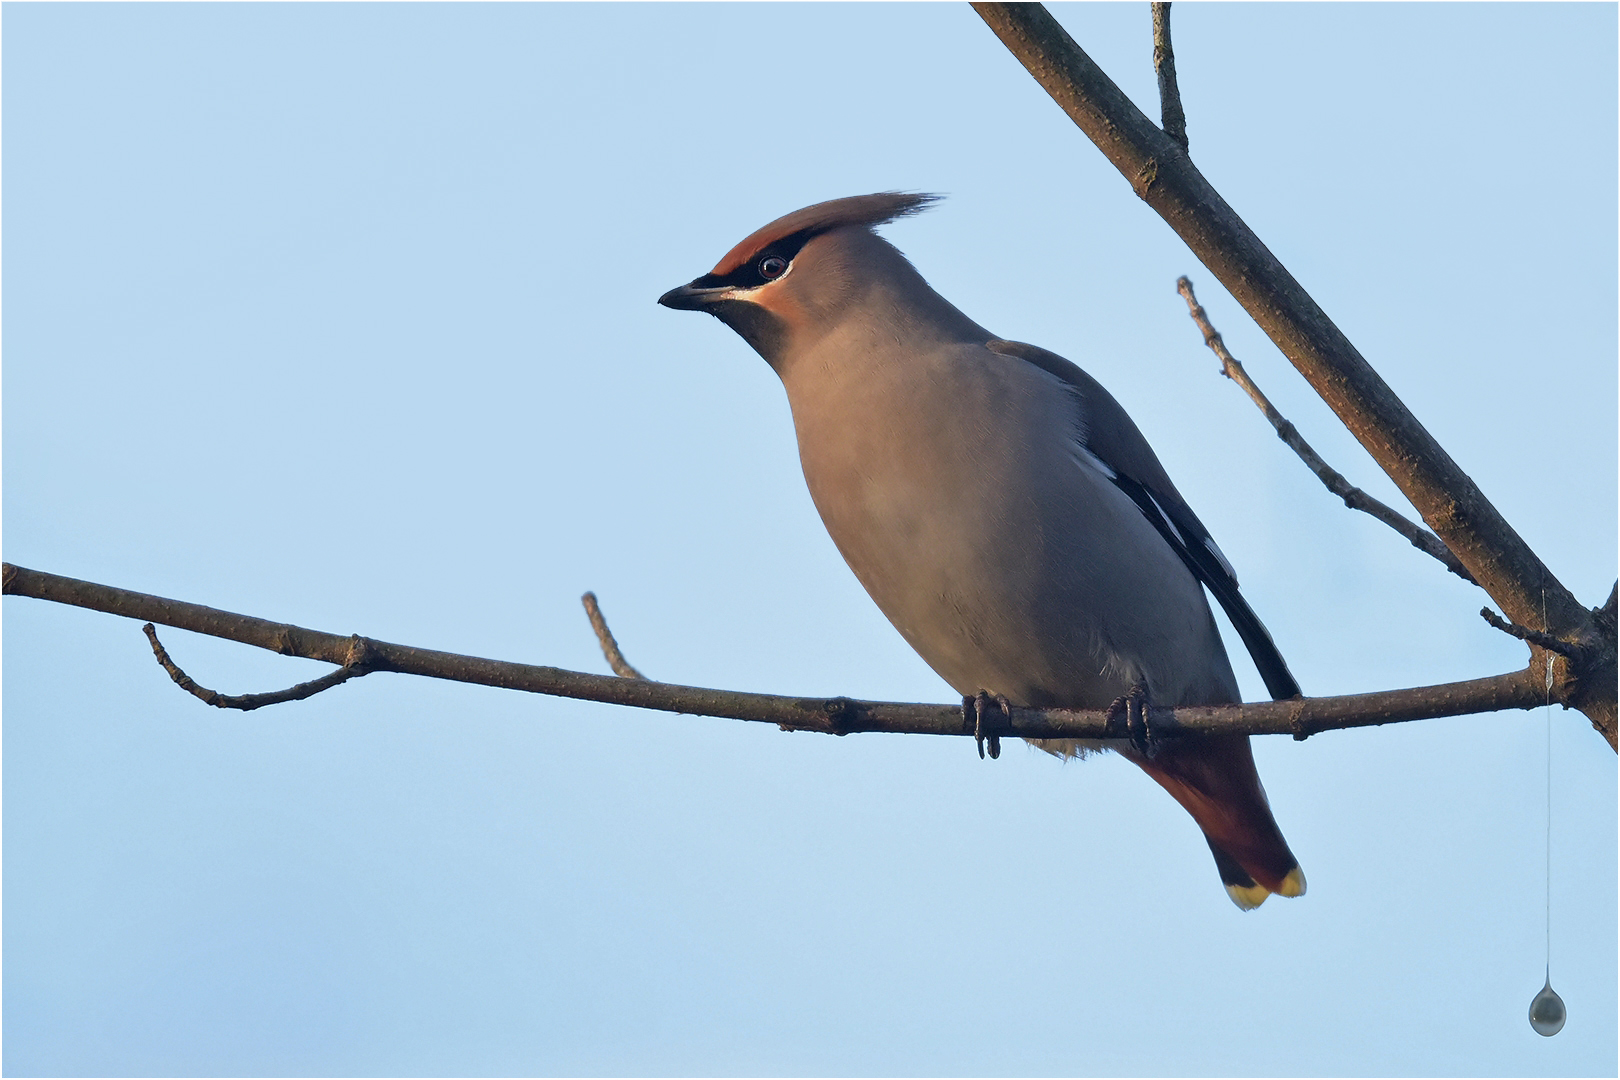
pixel 1112 437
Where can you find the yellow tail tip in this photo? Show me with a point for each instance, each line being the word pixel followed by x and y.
pixel 1247 897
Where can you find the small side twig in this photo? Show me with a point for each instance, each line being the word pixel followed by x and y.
pixel 604 637
pixel 1534 637
pixel 1353 497
pixel 249 702
pixel 1174 120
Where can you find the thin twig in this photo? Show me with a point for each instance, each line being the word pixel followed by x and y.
pixel 249 702
pixel 1164 65
pixel 1534 637
pixel 1353 497
pixel 604 637
pixel 1297 717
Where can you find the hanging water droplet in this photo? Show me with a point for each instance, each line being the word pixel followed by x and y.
pixel 1547 1011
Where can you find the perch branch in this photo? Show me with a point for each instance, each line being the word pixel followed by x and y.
pixel 1164 66
pixel 604 637
pixel 249 702
pixel 1449 501
pixel 1299 717
pixel 1353 497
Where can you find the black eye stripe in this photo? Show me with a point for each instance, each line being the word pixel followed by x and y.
pixel 748 275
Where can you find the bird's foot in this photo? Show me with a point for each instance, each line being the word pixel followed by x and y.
pixel 1133 709
pixel 973 710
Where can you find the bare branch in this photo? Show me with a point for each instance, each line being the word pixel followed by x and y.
pixel 1533 637
pixel 1449 501
pixel 1299 717
pixel 249 702
pixel 1164 65
pixel 1353 497
pixel 604 637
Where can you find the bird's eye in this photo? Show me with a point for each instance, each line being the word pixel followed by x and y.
pixel 772 266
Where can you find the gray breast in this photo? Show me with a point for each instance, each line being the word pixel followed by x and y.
pixel 952 482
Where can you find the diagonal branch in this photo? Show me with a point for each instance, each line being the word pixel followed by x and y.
pixel 1448 500
pixel 1298 717
pixel 1356 499
pixel 1164 66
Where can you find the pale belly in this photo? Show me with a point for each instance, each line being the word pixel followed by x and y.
pixel 1007 561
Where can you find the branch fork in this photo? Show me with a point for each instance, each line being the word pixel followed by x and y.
pixel 1356 499
pixel 359 663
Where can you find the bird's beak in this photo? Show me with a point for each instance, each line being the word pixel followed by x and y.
pixel 693 297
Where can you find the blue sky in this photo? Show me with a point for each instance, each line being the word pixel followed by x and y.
pixel 344 315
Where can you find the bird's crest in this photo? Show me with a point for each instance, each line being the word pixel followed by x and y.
pixel 868 210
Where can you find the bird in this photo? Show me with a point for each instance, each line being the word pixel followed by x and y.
pixel 1004 512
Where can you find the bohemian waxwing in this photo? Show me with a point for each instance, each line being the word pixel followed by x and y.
pixel 1002 510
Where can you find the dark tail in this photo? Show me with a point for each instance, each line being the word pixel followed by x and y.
pixel 1214 779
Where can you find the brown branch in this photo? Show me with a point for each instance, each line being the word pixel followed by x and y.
pixel 1356 499
pixel 249 702
pixel 1533 637
pixel 1164 65
pixel 1449 501
pixel 1299 717
pixel 604 637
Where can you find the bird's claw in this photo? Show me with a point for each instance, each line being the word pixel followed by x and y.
pixel 1133 709
pixel 973 709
